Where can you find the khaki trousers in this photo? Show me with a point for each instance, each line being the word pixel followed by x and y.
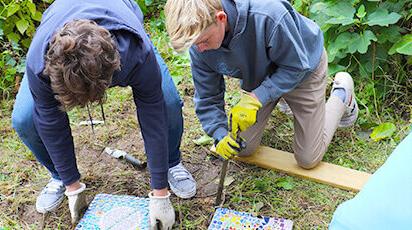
pixel 314 121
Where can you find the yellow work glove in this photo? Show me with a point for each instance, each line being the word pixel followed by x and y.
pixel 243 114
pixel 227 147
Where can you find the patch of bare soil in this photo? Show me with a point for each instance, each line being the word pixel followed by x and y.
pixel 105 174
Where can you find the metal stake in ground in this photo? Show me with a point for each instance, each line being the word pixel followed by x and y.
pixel 221 182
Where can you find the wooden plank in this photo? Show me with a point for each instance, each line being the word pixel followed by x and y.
pixel 326 173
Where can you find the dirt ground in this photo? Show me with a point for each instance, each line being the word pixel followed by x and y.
pixel 104 174
pixel 310 205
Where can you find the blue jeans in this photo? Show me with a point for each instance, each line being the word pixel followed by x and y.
pixel 22 120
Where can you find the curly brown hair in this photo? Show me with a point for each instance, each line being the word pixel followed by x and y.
pixel 80 62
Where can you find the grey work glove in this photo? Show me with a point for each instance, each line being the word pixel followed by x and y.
pixel 77 202
pixel 161 210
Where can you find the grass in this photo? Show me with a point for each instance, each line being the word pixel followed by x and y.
pixel 309 204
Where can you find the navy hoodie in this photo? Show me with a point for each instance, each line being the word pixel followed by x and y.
pixel 139 69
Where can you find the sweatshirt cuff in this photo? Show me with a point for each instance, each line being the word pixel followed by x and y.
pixel 263 94
pixel 219 133
pixel 69 179
pixel 158 180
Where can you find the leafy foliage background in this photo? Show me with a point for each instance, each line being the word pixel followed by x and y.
pixel 370 39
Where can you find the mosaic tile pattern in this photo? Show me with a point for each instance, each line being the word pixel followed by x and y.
pixel 226 219
pixel 116 212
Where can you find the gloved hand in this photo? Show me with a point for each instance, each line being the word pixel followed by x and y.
pixel 243 114
pixel 161 210
pixel 77 202
pixel 227 147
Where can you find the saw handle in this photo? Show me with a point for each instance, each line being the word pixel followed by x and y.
pixel 135 162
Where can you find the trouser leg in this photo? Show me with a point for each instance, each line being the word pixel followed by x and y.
pixel 314 122
pixel 22 122
pixel 253 135
pixel 174 112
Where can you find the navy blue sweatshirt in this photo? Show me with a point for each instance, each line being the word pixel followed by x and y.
pixel 139 70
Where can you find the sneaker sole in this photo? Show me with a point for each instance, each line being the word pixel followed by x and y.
pixel 186 195
pixel 51 207
pixel 350 120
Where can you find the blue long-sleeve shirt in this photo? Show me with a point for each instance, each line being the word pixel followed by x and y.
pixel 139 69
pixel 269 46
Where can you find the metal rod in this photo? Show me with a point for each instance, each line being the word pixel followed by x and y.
pixel 91 119
pixel 221 182
pixel 101 108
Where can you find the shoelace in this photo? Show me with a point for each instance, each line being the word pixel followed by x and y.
pixel 52 187
pixel 179 173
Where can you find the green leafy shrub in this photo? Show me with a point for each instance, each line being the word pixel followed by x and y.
pixel 12 67
pixel 368 28
pixel 372 40
pixel 151 7
pixel 18 22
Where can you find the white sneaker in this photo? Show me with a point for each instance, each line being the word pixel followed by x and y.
pixel 181 182
pixel 343 80
pixel 51 196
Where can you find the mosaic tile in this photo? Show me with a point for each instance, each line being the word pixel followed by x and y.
pixel 226 219
pixel 116 212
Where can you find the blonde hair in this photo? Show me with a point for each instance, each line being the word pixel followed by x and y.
pixel 187 19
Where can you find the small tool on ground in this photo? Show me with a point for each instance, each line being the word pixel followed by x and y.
pixel 120 154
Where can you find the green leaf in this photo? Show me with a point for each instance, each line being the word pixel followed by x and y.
pixel 355 2
pixel 365 40
pixel 26 42
pixel 341 21
pixel 32 8
pixel 381 17
pixel 21 67
pixel 383 131
pixel 37 16
pixel 298 4
pixel 403 46
pixel 12 9
pixel 389 34
pixel 341 13
pixel 142 5
pixel 351 41
pixel 334 68
pixel 285 184
pixel 317 11
pixel 148 2
pixel 342 42
pixel 22 25
pixel 204 140
pixel 360 42
pixel 13 37
pixel 11 62
pixel 361 12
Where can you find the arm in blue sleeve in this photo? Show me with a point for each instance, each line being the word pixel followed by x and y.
pixel 53 127
pixel 287 51
pixel 209 97
pixel 146 83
